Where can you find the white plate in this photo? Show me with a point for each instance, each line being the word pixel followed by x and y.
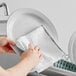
pixel 24 20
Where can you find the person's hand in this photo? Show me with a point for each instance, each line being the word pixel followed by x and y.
pixel 5 45
pixel 29 59
pixel 33 54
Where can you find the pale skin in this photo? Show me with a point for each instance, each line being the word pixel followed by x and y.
pixel 29 59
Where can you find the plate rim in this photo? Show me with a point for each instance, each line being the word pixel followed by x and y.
pixel 25 10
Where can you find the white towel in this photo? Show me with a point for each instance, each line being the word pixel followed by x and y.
pixel 49 49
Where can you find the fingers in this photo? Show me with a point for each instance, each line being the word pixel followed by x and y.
pixel 30 46
pixel 8 49
pixel 37 48
pixel 38 51
pixel 40 54
pixel 4 41
pixel 11 42
pixel 2 50
pixel 5 45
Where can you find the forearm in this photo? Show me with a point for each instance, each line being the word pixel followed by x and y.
pixel 22 68
pixel 3 72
